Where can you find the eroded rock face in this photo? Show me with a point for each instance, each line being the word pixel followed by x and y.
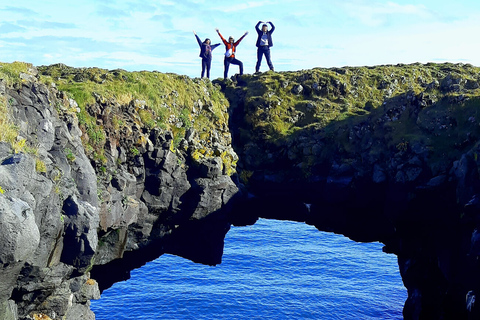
pixel 20 237
pixel 34 221
pixel 403 170
pixel 61 220
pixel 19 234
pixel 405 173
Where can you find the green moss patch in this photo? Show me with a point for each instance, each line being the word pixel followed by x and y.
pixel 149 99
pixel 309 117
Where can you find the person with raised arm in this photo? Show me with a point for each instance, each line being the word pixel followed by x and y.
pixel 264 42
pixel 231 48
pixel 206 49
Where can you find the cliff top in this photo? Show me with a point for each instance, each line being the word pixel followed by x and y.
pixel 348 110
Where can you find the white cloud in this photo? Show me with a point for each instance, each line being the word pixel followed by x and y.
pixel 374 14
pixel 309 33
pixel 244 6
pixel 423 42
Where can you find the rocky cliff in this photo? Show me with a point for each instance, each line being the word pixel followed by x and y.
pixel 103 171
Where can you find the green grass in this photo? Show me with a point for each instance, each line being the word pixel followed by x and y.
pixel 346 112
pixel 10 75
pixel 10 72
pixel 8 131
pixel 333 101
pixel 153 100
pixel 333 95
pixel 69 154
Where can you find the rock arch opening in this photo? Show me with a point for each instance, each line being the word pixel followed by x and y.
pixel 272 268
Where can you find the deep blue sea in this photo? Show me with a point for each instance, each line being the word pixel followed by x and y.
pixel 271 270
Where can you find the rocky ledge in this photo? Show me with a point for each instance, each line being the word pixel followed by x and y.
pixel 107 170
pixel 90 192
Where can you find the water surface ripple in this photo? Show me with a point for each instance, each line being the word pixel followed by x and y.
pixel 272 270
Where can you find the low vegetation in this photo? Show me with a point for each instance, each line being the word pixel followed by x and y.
pixel 354 110
pixel 349 110
pixel 156 100
pixel 282 103
pixel 8 131
pixel 10 72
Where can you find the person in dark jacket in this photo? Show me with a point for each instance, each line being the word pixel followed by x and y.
pixel 206 54
pixel 231 47
pixel 264 42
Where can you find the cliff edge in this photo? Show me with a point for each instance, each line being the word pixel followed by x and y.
pixel 105 170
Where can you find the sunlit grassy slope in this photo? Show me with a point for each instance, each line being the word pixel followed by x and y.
pixel 347 110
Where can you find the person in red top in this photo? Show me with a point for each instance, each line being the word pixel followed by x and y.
pixel 231 47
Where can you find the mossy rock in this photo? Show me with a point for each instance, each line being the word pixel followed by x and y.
pixel 352 112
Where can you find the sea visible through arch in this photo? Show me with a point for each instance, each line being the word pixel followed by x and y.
pixel 271 270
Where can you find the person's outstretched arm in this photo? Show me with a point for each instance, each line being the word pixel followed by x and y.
pixel 213 46
pixel 273 27
pixel 236 43
pixel 257 28
pixel 198 39
pixel 221 37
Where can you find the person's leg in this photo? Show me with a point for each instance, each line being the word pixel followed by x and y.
pixel 238 63
pixel 259 59
pixel 226 63
pixel 204 66
pixel 208 65
pixel 269 60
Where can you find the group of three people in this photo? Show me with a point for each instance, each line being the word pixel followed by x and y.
pixel 264 42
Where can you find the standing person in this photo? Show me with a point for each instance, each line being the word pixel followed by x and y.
pixel 205 53
pixel 231 47
pixel 264 42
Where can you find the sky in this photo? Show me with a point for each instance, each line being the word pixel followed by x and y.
pixel 158 35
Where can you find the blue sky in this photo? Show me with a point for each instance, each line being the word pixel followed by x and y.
pixel 157 35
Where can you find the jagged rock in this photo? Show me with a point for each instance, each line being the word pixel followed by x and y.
pixel 27 77
pixel 472 84
pixel 297 89
pixel 80 312
pixel 81 223
pixel 211 168
pixel 464 171
pixel 433 85
pixel 387 175
pixel 451 83
pixel 437 181
pixel 412 173
pixel 20 237
pixel 472 307
pixel 19 234
pixel 214 195
pixel 88 291
pixel 165 184
pixel 70 300
pixel 8 310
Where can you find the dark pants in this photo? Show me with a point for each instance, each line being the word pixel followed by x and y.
pixel 263 50
pixel 206 64
pixel 229 61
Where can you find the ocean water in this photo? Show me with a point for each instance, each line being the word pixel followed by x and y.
pixel 271 270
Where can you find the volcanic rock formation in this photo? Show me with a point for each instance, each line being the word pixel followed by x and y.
pixel 108 170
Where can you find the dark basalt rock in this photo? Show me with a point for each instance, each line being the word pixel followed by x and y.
pixel 69 225
pixel 403 171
